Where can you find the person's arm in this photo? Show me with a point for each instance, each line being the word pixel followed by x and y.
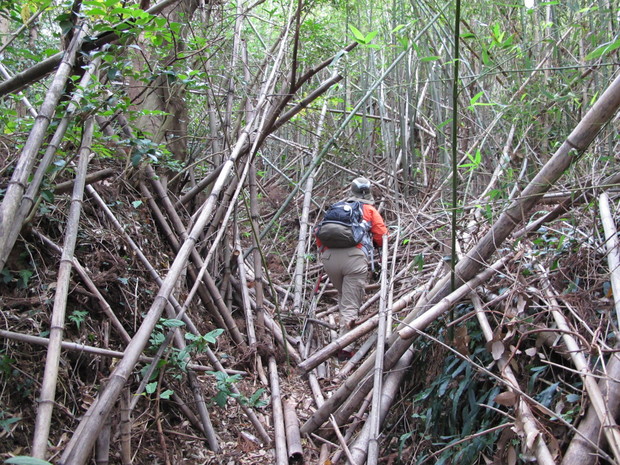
pixel 377 225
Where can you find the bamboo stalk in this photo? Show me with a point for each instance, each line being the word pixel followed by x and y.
pixel 390 389
pixel 609 426
pixel 304 227
pixel 57 324
pixel 533 435
pixel 125 428
pixel 293 438
pixel 281 457
pixel 612 244
pixel 102 448
pixel 257 256
pixel 80 445
pixel 28 156
pixel 374 419
pixel 76 347
pixel 92 178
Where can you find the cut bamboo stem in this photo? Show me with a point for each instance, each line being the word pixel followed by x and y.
pixel 281 457
pixel 293 437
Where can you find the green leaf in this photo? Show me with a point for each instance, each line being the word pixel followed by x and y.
pixel 603 50
pixel 136 203
pixel 48 196
pixel 359 37
pixel 151 387
pixel 24 460
pixel 430 58
pixel 166 394
pixel 476 97
pixel 370 36
pixel 172 323
pixel 220 398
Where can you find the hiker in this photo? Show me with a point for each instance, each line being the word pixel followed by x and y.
pixel 346 262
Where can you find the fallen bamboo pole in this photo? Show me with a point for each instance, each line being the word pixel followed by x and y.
pixel 279 431
pixel 582 447
pixel 533 435
pixel 75 347
pixel 609 426
pixel 293 437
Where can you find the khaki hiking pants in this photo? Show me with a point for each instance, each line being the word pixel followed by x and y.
pixel 348 271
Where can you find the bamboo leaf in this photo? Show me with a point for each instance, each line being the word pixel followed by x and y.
pixel 603 50
pixel 359 37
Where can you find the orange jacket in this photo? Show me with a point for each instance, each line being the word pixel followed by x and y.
pixel 377 226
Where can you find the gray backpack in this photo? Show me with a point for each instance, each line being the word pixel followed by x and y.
pixel 343 225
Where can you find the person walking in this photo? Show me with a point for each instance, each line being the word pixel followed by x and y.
pixel 347 267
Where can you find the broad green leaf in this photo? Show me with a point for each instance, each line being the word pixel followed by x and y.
pixel 603 50
pixel 23 460
pixel 151 387
pixel 370 36
pixel 356 32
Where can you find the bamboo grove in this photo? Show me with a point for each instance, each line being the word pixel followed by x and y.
pixel 164 165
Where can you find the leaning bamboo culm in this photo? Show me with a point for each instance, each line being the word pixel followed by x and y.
pixel 80 446
pixel 377 393
pixel 57 324
pixel 19 179
pixel 29 198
